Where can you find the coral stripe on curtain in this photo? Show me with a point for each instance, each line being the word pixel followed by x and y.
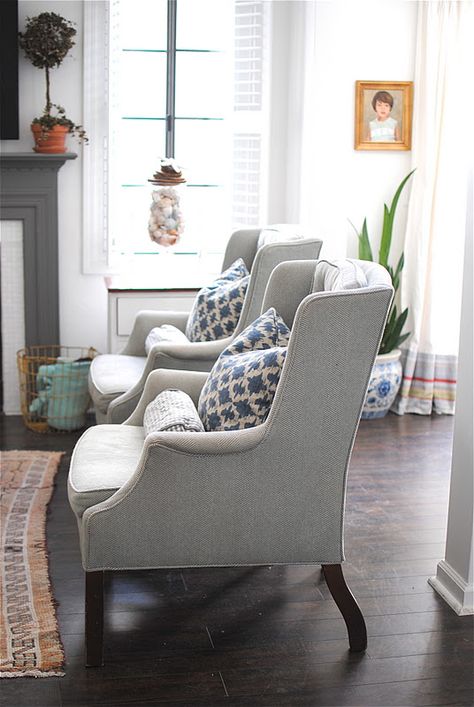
pixel 443 120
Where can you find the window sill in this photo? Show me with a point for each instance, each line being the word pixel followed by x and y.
pixel 164 270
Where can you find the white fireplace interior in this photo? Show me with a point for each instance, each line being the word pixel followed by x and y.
pixel 12 310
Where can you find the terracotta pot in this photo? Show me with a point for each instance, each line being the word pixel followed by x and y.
pixel 384 385
pixel 50 141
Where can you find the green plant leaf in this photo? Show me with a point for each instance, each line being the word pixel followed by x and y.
pixel 388 219
pixel 400 265
pixel 395 274
pixel 365 251
pixel 402 338
pixel 402 318
pixel 386 239
pixel 388 329
pixel 396 197
pixel 393 337
pixel 391 317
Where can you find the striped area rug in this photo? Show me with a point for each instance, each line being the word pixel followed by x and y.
pixel 29 638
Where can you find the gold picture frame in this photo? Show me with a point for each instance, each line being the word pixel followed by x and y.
pixel 383 115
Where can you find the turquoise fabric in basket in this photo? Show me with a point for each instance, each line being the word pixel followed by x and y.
pixel 63 396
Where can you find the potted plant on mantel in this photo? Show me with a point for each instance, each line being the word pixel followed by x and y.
pixel 46 41
pixel 386 376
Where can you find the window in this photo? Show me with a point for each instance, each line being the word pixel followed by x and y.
pixel 182 79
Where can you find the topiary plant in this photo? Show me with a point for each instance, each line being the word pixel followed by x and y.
pixel 47 39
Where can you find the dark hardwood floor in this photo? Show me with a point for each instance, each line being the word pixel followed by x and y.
pixel 273 635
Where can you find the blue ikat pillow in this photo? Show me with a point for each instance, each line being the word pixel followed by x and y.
pixel 217 307
pixel 241 386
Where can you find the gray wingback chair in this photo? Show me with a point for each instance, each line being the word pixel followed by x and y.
pixel 116 381
pixel 272 494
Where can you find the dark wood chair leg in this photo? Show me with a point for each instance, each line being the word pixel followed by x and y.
pixel 348 607
pixel 94 619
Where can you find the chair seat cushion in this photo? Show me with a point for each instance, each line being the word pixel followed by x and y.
pixel 104 458
pixel 217 307
pixel 240 388
pixel 111 375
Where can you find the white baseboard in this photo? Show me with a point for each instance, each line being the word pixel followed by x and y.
pixel 454 589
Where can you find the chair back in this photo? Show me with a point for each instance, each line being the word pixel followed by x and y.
pixel 311 427
pixel 289 283
pixel 242 244
pixel 266 259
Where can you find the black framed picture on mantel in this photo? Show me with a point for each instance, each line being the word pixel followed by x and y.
pixel 9 123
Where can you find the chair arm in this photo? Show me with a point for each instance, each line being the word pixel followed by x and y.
pixel 145 321
pixel 217 444
pixel 180 499
pixel 195 356
pixel 190 382
pixel 216 498
pixel 192 350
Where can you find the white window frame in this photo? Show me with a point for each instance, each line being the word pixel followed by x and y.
pixel 95 235
pixel 98 37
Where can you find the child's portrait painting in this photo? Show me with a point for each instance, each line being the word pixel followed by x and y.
pixel 383 115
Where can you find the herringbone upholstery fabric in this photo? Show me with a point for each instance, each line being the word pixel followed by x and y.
pixel 271 494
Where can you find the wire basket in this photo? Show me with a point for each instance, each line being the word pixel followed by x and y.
pixel 54 393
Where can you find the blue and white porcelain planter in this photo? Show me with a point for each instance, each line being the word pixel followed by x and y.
pixel 384 385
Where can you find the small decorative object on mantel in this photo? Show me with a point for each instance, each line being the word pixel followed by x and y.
pixel 46 40
pixel 166 223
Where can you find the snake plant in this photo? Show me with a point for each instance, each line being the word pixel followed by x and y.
pixel 392 336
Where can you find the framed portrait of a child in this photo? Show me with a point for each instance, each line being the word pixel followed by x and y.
pixel 383 115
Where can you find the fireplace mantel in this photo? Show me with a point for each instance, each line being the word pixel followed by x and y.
pixel 29 193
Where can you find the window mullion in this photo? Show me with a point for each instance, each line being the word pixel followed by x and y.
pixel 171 78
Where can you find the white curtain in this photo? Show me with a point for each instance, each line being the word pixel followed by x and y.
pixel 442 152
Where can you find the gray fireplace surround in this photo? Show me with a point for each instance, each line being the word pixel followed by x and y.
pixel 29 194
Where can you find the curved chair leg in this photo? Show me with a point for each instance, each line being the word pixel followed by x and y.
pixel 348 607
pixel 94 619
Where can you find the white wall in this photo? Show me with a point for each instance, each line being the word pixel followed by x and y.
pixel 347 41
pixel 454 578
pixel 83 301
